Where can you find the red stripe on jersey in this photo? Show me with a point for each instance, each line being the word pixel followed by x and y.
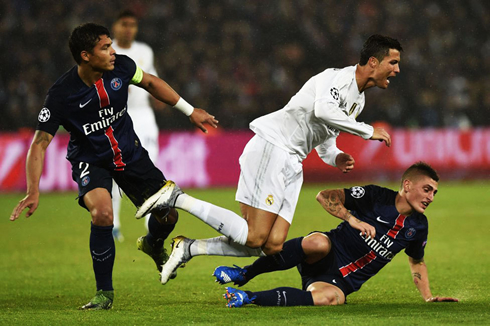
pixel 118 162
pixel 358 264
pixel 400 222
pixel 102 93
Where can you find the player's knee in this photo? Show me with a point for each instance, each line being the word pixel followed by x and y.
pixel 272 248
pixel 255 240
pixel 102 216
pixel 322 298
pixel 316 244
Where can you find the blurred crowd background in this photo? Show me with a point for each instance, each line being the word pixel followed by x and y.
pixel 242 59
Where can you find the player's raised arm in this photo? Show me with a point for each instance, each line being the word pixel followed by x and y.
pixel 34 168
pixel 333 202
pixel 421 280
pixel 381 135
pixel 163 92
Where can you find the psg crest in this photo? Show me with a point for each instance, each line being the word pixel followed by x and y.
pixel 410 233
pixel 116 83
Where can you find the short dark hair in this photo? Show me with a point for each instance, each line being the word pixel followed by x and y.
pixel 84 38
pixel 420 168
pixel 378 46
pixel 126 13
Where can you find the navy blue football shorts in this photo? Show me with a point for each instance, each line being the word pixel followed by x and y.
pixel 138 180
pixel 324 270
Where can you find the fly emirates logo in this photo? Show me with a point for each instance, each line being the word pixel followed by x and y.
pixel 107 117
pixel 379 246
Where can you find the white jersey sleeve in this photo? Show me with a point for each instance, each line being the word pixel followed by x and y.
pixel 326 104
pixel 328 151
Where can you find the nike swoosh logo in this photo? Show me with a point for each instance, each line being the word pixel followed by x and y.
pixel 82 105
pixel 380 220
pixel 101 253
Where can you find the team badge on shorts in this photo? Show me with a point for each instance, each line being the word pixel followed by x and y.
pixel 410 233
pixel 44 115
pixel 269 200
pixel 116 83
pixel 357 192
pixel 85 180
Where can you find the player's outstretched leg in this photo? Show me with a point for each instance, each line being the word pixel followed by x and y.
pixel 226 274
pixel 102 301
pixel 179 256
pixel 237 298
pixel 163 198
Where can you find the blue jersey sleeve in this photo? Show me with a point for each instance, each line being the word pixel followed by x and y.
pixel 49 118
pixel 416 248
pixel 126 66
pixel 360 199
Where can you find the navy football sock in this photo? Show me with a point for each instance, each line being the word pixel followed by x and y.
pixel 292 254
pixel 283 296
pixel 158 232
pixel 103 252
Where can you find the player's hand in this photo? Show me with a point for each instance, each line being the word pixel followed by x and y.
pixel 364 228
pixel 199 117
pixel 345 162
pixel 29 201
pixel 381 135
pixel 441 299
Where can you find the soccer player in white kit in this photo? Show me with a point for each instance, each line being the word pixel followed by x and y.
pixel 140 109
pixel 271 171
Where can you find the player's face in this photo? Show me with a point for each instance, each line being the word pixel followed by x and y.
pixel 387 68
pixel 420 193
pixel 103 55
pixel 125 30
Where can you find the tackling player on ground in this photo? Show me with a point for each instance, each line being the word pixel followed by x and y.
pixel 336 263
pixel 271 170
pixel 89 101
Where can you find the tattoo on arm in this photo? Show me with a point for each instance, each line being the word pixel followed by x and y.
pixel 334 202
pixel 417 275
pixel 42 138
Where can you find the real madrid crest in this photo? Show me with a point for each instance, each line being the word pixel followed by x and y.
pixel 269 200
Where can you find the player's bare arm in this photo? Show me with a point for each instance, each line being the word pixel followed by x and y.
pixel 381 135
pixel 163 92
pixel 421 280
pixel 345 162
pixel 333 202
pixel 34 168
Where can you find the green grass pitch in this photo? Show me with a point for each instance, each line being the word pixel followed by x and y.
pixel 46 272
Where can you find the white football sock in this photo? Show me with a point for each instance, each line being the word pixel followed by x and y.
pixel 222 220
pixel 116 205
pixel 222 246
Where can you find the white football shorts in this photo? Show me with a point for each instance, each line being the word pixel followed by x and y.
pixel 270 178
pixel 147 131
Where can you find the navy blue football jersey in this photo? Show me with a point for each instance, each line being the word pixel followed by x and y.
pixel 360 257
pixel 101 130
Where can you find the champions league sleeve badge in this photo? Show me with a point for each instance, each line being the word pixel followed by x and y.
pixel 357 192
pixel 44 115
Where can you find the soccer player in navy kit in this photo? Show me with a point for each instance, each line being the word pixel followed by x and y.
pixel 90 102
pixel 336 263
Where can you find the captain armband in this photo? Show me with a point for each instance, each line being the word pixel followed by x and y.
pixel 137 77
pixel 184 107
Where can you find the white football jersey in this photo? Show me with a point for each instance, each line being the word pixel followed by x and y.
pixel 139 107
pixel 326 104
